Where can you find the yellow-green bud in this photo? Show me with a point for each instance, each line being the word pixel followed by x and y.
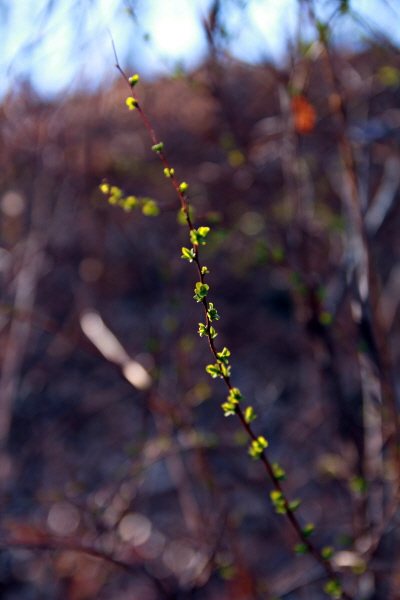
pixel 131 103
pixel 134 79
pixel 105 188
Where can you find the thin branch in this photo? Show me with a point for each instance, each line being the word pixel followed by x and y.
pixel 325 563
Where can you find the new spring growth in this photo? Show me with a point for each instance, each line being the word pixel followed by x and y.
pixel 257 447
pixel 280 504
pixel 219 370
pixel 131 103
pixel 116 196
pixel 249 414
pixel 222 368
pixel 278 472
pixel 294 505
pixel 233 399
pixel 223 356
pixel 308 530
pixel 134 79
pixel 212 312
pixel 204 330
pixel 214 371
pixel 198 236
pixel 190 255
pixel 200 291
pixel 158 147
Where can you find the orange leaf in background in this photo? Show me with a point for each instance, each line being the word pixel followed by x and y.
pixel 304 114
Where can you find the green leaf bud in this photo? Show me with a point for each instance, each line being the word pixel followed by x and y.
pixel 214 371
pixel 308 530
pixel 249 414
pixel 183 187
pixel 116 192
pixel 212 312
pixel 327 552
pixel 294 505
pixel 257 446
pixel 223 356
pixel 278 502
pixel 168 172
pixel 134 79
pixel 213 333
pixel 105 188
pixel 226 370
pixel 229 408
pixel 279 473
pixel 204 271
pixel 130 202
pixel 201 291
pixel 202 330
pixel 234 398
pixel 115 195
pixel 150 208
pixel 131 103
pixel 235 395
pixel 158 147
pixel 190 255
pixel 198 236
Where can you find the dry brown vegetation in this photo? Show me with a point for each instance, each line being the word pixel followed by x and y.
pixel 113 492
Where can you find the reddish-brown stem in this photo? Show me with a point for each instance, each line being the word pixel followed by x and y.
pixel 326 564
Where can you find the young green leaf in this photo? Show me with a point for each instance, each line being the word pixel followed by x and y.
pixel 257 446
pixel 134 79
pixel 201 291
pixel 294 505
pixel 105 188
pixel 150 208
pixel 235 395
pixel 249 414
pixel 278 502
pixel 130 202
pixel 223 356
pixel 308 530
pixel 212 312
pixel 213 333
pixel 158 147
pixel 214 370
pixel 229 408
pixel 279 473
pixel 225 370
pixel 202 330
pixel 131 103
pixel 190 255
pixel 198 236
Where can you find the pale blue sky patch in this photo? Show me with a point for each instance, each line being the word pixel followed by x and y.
pixel 59 44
